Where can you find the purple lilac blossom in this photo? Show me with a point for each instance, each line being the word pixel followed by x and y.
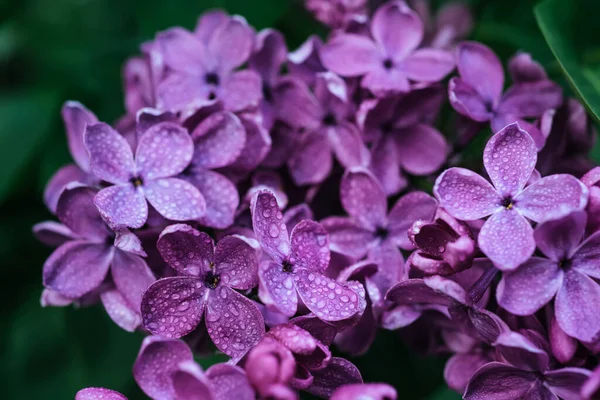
pixel 297 265
pixel 173 307
pixel 359 391
pixel 452 22
pixel 390 60
pixel 337 13
pixel 509 159
pixel 98 393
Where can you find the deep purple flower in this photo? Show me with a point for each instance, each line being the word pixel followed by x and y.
pixel 477 93
pixel 76 117
pixel 165 370
pixel 81 264
pixel 297 265
pixel 98 393
pixel 404 138
pixel 567 274
pixel 337 13
pixel 373 232
pixel 526 374
pixel 523 68
pixel 163 151
pixel 444 245
pixel 364 391
pixel 325 118
pixel 391 59
pixel 173 307
pixel 509 159
pixel 452 22
pixel 304 63
pixel 462 366
pixel 201 67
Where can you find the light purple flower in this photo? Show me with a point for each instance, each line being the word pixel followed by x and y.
pixel 337 13
pixel 509 159
pixel 173 307
pixel 477 93
pixel 98 393
pixel 592 180
pixel 201 68
pixel 297 265
pixel 325 118
pixel 591 388
pixel 373 232
pixel 80 265
pixel 364 391
pixel 389 60
pixel 304 63
pixel 567 274
pixel 163 151
pixel 526 373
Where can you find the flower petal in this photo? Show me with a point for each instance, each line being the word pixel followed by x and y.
pixel 397 30
pixel 347 237
pixel 339 372
pixel 507 239
pixel 76 117
pixel 269 54
pixel 120 311
pixel 551 197
pixel 461 367
pixel 559 238
pixel 242 90
pixel 326 298
pixel 131 276
pixel 111 158
pixel 52 233
pixel 467 101
pixel 229 382
pixel 509 159
pixel 122 205
pixel 190 382
pixel 257 146
pixel 208 23
pixel 428 65
pixel 350 55
pixel 311 162
pixel 421 149
pixel 77 267
pixel 277 288
pixel 97 393
pixel 481 69
pixel 521 352
pixel 182 92
pixel 175 199
pixel 231 43
pixel 76 210
pixel 384 82
pixel 310 246
pixel 235 261
pixel 186 250
pixel 587 257
pixel 348 146
pixel 183 52
pixel 576 307
pixel 363 198
pixel 157 360
pixel 356 391
pixel 465 194
pixel 523 68
pixel 531 100
pixel 296 105
pixel 57 183
pixel 218 140
pixel 566 382
pixel 165 150
pixel 385 166
pixel 408 209
pixel 173 307
pixel 269 227
pixel 530 287
pixel 234 323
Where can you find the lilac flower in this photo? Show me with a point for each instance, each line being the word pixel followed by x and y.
pixel 165 370
pixel 509 159
pixel 370 230
pixel 138 83
pixel 358 391
pixel 462 366
pixel 76 117
pixel 304 63
pixel 325 119
pixel 173 307
pixel 297 265
pixel 526 373
pixel 452 22
pixel 592 180
pixel 591 388
pixel 81 264
pixel 523 68
pixel 477 94
pixel 390 60
pixel 567 274
pixel 444 245
pixel 163 151
pixel 98 393
pixel 404 140
pixel 337 13
pixel 200 68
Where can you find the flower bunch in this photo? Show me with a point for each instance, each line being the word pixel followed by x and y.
pixel 274 216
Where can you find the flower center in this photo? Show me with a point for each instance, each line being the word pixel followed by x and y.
pixel 508 203
pixel 287 266
pixel 388 63
pixel 136 181
pixel 564 264
pixel 212 78
pixel 267 93
pixel 211 280
pixel 381 232
pixel 387 127
pixel 329 120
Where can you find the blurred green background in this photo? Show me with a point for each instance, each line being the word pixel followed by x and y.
pixel 55 50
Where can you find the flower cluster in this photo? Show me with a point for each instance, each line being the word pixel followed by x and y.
pixel 273 216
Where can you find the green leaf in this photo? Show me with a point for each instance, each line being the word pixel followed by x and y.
pixel 570 30
pixel 444 394
pixel 25 122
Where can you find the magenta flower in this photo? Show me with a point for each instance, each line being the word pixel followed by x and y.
pixel 165 370
pixel 337 13
pixel 371 391
pixel 373 232
pixel 477 94
pixel 389 60
pixel 325 118
pixel 509 159
pixel 163 151
pixel 297 265
pixel 452 22
pixel 173 307
pixel 98 393
pixel 201 67
pixel 525 374
pixel 567 274
pixel 81 264
pixel 304 63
